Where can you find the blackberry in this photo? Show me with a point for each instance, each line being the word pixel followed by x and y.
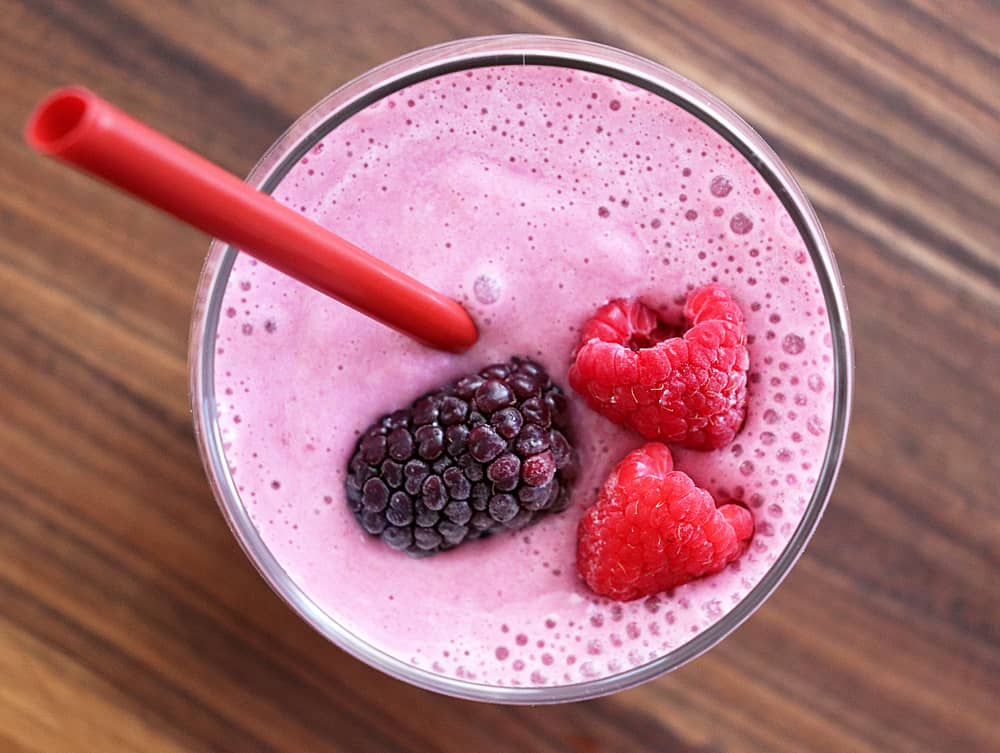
pixel 485 453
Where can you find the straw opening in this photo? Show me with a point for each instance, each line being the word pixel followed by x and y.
pixel 57 120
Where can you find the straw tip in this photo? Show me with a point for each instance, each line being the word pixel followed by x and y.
pixel 461 332
pixel 465 337
pixel 58 119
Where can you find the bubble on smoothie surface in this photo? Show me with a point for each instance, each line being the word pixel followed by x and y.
pixel 535 194
pixel 740 224
pixel 486 289
pixel 793 344
pixel 720 186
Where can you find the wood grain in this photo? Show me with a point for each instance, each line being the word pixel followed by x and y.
pixel 130 620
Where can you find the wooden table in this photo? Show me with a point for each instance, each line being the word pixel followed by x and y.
pixel 131 621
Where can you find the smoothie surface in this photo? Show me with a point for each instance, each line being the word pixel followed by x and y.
pixel 533 195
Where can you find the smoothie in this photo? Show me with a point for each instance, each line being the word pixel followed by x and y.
pixel 533 194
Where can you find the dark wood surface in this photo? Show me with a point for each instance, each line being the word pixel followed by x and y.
pixel 131 621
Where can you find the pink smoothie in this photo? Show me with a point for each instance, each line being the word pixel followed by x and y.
pixel 533 194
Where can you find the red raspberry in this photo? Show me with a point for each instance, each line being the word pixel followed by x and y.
pixel 690 390
pixel 652 529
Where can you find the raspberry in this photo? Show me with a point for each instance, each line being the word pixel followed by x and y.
pixel 689 390
pixel 652 529
pixel 487 452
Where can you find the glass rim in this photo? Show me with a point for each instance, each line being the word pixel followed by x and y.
pixel 450 57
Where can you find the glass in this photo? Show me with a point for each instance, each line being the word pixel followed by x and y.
pixel 448 58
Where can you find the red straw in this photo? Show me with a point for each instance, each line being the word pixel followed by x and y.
pixel 80 128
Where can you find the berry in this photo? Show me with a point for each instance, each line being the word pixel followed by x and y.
pixel 485 453
pixel 652 529
pixel 689 390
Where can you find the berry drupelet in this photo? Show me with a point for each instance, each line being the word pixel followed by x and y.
pixel 485 453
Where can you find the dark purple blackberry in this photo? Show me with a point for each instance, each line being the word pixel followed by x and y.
pixel 485 453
